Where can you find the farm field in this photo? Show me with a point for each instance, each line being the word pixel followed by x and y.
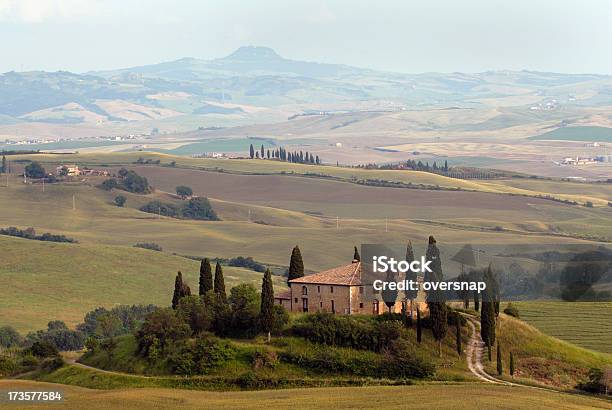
pixel 597 193
pixel 585 324
pixel 584 133
pixel 420 396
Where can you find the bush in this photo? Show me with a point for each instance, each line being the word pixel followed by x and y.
pixel 595 382
pixel 346 331
pixel 53 364
pixel 263 358
pixel 35 170
pixel 184 191
pixel 280 318
pixel 9 337
pixel 248 262
pixel 160 208
pixel 202 355
pixel 43 348
pixel 59 336
pixel 160 329
pixel 200 209
pixel 512 310
pixel 30 233
pixel 8 365
pixel 149 245
pixel 109 184
pixel 120 200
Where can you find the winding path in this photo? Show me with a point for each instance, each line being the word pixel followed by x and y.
pixel 475 352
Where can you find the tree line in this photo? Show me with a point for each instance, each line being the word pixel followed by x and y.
pixel 281 154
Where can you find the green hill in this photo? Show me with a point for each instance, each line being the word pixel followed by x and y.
pixel 43 281
pixel 582 133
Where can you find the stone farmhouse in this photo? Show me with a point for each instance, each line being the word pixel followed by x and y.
pixel 340 291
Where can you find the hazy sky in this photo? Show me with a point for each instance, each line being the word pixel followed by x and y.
pixel 404 35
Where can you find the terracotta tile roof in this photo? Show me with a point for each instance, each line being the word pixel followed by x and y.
pixel 283 295
pixel 348 275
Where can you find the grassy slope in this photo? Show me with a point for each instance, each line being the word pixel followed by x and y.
pixel 596 193
pixel 41 281
pixel 585 324
pixel 543 358
pixel 426 397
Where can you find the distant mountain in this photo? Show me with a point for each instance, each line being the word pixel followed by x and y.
pixel 259 77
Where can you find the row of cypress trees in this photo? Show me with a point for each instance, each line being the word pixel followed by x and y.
pixel 282 154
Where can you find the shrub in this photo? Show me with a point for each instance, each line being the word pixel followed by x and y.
pixel 53 364
pixel 109 184
pixel 8 365
pixel 280 318
pixel 58 335
pixel 184 191
pixel 9 337
pixel 402 361
pixel 120 200
pixel 35 170
pixel 263 358
pixel 346 331
pixel 30 233
pixel 202 355
pixel 595 382
pixel 149 245
pixel 200 209
pixel 512 310
pixel 160 329
pixel 43 348
pixel 248 262
pixel 165 209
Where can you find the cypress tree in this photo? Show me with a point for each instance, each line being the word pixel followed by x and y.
pixel 252 151
pixel 435 299
pixel 511 365
pixel 487 311
pixel 219 285
pixel 458 333
pixel 500 365
pixel 296 265
pixel 206 278
pixel 356 256
pixel 262 151
pixel 410 276
pixel 3 170
pixel 419 329
pixel 476 301
pixel 178 289
pixel 267 303
pixel 489 351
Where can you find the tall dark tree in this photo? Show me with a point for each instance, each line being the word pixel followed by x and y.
pixel 262 151
pixel 219 285
pixel 180 290
pixel 317 160
pixel 389 296
pixel 410 294
pixel 252 151
pixel 464 294
pixel 419 326
pixel 476 301
pixel 458 332
pixel 487 310
pixel 445 166
pixel 356 256
pixel 296 264
pixel 489 351
pixel 511 364
pixel 266 312
pixel 206 277
pixel 3 168
pixel 268 154
pixel 436 300
pixel 500 365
